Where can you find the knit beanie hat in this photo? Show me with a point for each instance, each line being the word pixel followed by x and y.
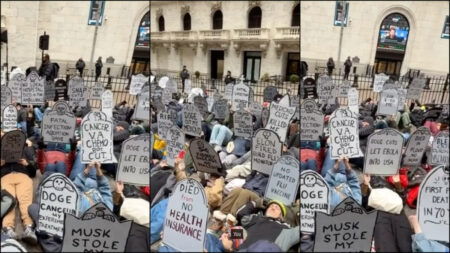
pixel 281 205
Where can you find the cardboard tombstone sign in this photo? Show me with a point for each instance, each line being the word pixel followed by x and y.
pixel 210 101
pixel 97 139
pixel 97 230
pixel 33 89
pixel 401 92
pixel 166 96
pixel 243 124
pixel 15 84
pixel 162 81
pixel 187 86
pixel 390 84
pixel 12 146
pixel 202 106
pixel 348 229
pixel 280 116
pixel 269 93
pixel 295 102
pixel 134 161
pixel 205 158
pixel 383 152
pixel 58 124
pixel 220 109
pixel 284 180
pixel 415 89
pixel 6 97
pixel 311 121
pixel 137 82
pixel 9 118
pixel 353 100
pixel 266 150
pixel 57 196
pixel 166 119
pixel 379 81
pixel 314 197
pixel 49 91
pixel 241 97
pixel 326 90
pixel 142 110
pixel 388 104
pixel 192 120
pixel 61 90
pixel 255 109
pixel 186 217
pixel 77 92
pixel 416 147
pixel 344 138
pixel 107 103
pixel 343 88
pixel 175 143
pixel 439 149
pixel 432 206
pixel 96 91
pixel 228 94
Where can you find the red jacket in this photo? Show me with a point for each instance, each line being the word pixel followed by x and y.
pixel 48 157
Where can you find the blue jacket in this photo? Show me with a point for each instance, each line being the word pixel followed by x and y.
pixel 157 214
pixel 421 244
pixel 93 191
pixel 347 184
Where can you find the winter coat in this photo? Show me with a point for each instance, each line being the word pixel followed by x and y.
pixel 98 67
pixel 97 190
pixel 162 182
pixel 46 70
pixel 347 65
pixel 138 239
pixel 80 65
pixel 118 138
pixel 392 233
pixel 421 244
pixel 256 182
pixel 342 186
pixel 157 216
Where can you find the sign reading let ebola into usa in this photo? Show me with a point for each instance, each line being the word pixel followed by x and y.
pixel 344 138
pixel 97 139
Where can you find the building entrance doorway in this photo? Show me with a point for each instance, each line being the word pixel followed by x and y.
pixel 217 58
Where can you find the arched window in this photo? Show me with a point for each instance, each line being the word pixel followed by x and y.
pixel 217 20
pixel 394 31
pixel 161 24
pixel 254 18
pixel 187 22
pixel 296 16
pixel 144 31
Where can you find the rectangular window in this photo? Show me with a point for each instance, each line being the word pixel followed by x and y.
pixel 96 12
pixel 445 31
pixel 339 16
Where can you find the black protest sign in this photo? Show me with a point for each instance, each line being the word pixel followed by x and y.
pixel 309 88
pixel 383 152
pixel 202 106
pixel 6 97
pixel 241 97
pixel 326 90
pixel 344 139
pixel 284 180
pixel 13 144
pixel 220 109
pixel 97 139
pixel 266 150
pixel 439 149
pixel 77 92
pixel 269 93
pixel 134 162
pixel 314 197
pixel 98 230
pixel 432 206
pixel 33 90
pixel 9 118
pixel 49 90
pixel 15 84
pixel 186 217
pixel 57 196
pixel 96 91
pixel 280 116
pixel 142 110
pixel 311 121
pixel 348 229
pixel 205 158
pixel 379 81
pixel 136 84
pixel 58 124
pixel 175 144
pixel 192 120
pixel 166 119
pixel 353 100
pixel 416 147
pixel 243 124
pixel 343 89
pixel 388 104
pixel 61 90
pixel 228 91
pixel 415 89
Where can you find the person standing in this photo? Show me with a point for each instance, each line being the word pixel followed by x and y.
pixel 330 66
pixel 347 67
pixel 80 66
pixel 48 69
pixel 228 78
pixel 98 68
pixel 184 75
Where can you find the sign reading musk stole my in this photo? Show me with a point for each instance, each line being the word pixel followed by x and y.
pixel 98 230
pixel 311 123
pixel 344 138
pixel 12 145
pixel 283 181
pixel 205 158
pixel 186 217
pixel 58 124
pixel 279 117
pixel 97 139
pixel 416 146
pixel 33 90
pixel 192 120
pixel 134 162
pixel 57 196
pixel 266 150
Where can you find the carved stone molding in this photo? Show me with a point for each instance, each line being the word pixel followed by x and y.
pixel 216 6
pixel 184 9
pixel 252 4
pixel 159 12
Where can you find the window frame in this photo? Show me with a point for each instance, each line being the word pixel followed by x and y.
pixel 293 16
pixel 91 20
pixel 260 18
pixel 221 20
pixel 163 24
pixel 336 21
pixel 446 24
pixel 184 22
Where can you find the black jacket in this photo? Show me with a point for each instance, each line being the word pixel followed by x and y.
pixel 46 70
pixel 29 170
pixel 80 65
pixel 392 233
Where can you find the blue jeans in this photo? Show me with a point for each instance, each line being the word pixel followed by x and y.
pixel 52 146
pixel 59 167
pixel 220 135
pixel 309 165
pixel 328 164
pixel 23 126
pixel 38 114
pixel 77 167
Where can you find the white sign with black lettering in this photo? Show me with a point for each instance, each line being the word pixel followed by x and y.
pixel 220 109
pixel 280 116
pixel 344 88
pixel 344 139
pixel 108 103
pixel 6 97
pixel 15 84
pixel 228 91
pixel 187 86
pixel 243 124
pixel 202 106
pixel 439 149
pixel 162 81
pixel 415 89
pixel 388 104
pixel 326 90
pixel 134 162
pixel 142 111
pixel 96 91
pixel 312 121
pixel 9 118
pixel 137 82
pixel 58 124
pixel 175 144
pixel 33 90
pixel 284 180
pixel 192 120
pixel 266 150
pixel 401 92
pixel 77 92
pixel 379 81
pixel 353 100
pixel 416 146
pixel 241 96
pixel 166 119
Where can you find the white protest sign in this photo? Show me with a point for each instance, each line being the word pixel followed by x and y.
pixel 353 100
pixel 314 197
pixel 77 92
pixel 57 196
pixel 311 121
pixel 134 162
pixel 432 205
pixel 96 91
pixel 97 139
pixel 415 89
pixel 243 124
pixel 379 81
pixel 107 103
pixel 388 104
pixel 192 120
pixel 401 92
pixel 58 124
pixel 220 109
pixel 202 105
pixel 187 86
pixel 15 84
pixel 326 90
pixel 6 97
pixel 241 96
pixel 175 144
pixel 229 91
pixel 33 89
pixel 344 88
pixel 98 230
pixel 49 90
pixel 162 81
pixel 280 115
pixel 266 150
pixel 137 82
pixel 165 120
pixel 416 146
pixel 142 110
pixel 9 118
pixel 168 91
pixel 186 217
pixel 344 138
pixel 439 149
pixel 284 180
pixel 383 152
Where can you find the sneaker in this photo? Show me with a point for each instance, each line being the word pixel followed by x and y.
pixel 9 232
pixel 29 235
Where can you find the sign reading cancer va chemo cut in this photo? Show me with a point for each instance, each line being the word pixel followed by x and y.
pixel 98 230
pixel 241 96
pixel 57 196
pixel 134 162
pixel 344 138
pixel 77 92
pixel 204 157
pixel 96 91
pixel 33 90
pixel 186 217
pixel 314 197
pixel 107 103
pixel 97 139
pixel 15 84
pixel 383 152
pixel 280 114
pixel 243 124
pixel 416 146
pixel 432 206
pixel 266 150
pixel 312 121
pixel 12 146
pixel 353 100
pixel 192 120
pixel 58 124
pixel 283 180
pixel 142 111
pixel 137 82
pixel 175 143
pixel 439 149
pixel 348 229
pixel 9 118
pixel 379 81
pixel 388 104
